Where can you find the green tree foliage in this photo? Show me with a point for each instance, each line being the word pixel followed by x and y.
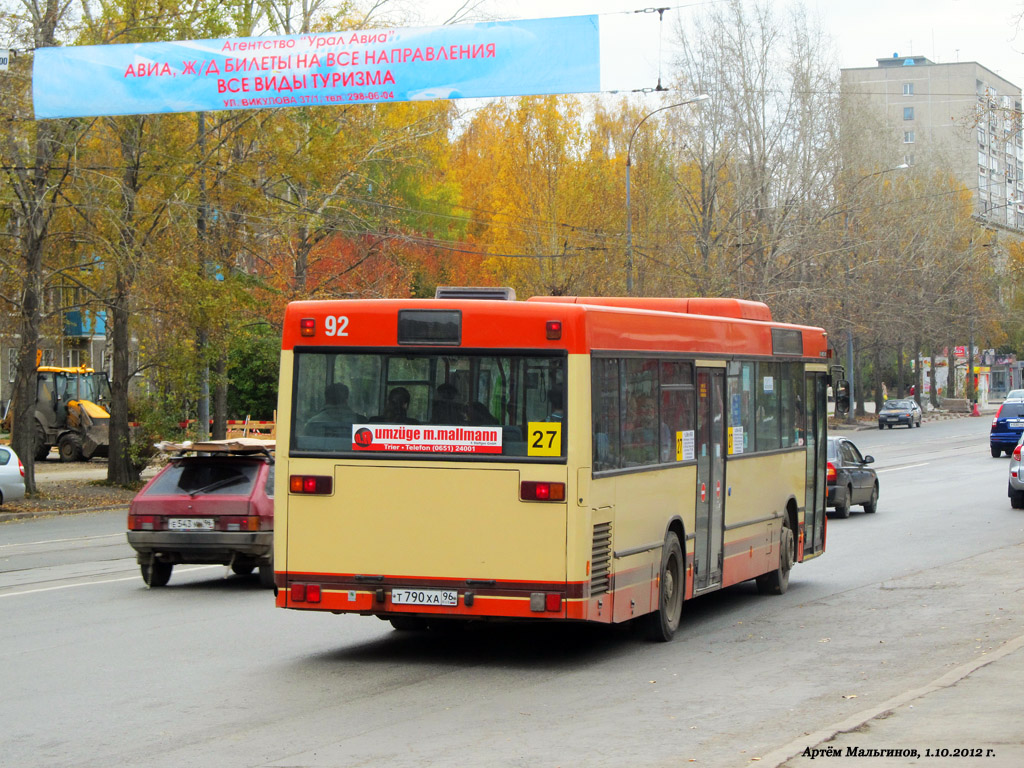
pixel 252 372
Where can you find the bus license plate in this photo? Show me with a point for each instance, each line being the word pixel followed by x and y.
pixel 424 597
pixel 190 524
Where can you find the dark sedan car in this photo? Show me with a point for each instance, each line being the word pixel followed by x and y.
pixel 850 479
pixel 216 506
pixel 902 411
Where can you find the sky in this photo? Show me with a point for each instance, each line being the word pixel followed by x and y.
pixel 861 31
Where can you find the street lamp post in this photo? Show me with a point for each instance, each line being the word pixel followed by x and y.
pixel 851 415
pixel 629 153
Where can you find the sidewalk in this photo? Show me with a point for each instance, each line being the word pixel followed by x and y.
pixel 971 716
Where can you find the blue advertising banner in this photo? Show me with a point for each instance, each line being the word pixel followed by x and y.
pixel 514 58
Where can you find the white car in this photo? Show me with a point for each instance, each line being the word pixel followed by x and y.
pixel 12 475
pixel 1015 488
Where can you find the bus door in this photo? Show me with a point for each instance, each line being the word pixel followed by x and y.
pixel 710 450
pixel 816 400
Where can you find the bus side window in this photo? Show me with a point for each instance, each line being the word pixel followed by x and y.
pixel 605 399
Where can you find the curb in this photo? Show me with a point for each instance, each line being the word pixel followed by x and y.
pixel 6 517
pixel 781 755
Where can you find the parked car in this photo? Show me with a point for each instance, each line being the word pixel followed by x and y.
pixel 212 503
pixel 1007 427
pixel 1015 487
pixel 12 475
pixel 850 480
pixel 902 411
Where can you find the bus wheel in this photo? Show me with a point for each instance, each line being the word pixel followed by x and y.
pixel 266 575
pixel 156 573
pixel 777 582
pixel 663 623
pixel 408 623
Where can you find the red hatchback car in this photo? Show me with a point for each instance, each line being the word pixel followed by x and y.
pixel 213 503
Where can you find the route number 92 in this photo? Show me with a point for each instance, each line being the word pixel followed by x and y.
pixel 335 326
pixel 544 438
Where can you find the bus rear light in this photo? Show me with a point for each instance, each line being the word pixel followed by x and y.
pixel 545 601
pixel 554 329
pixel 830 473
pixel 306 593
pixel 533 491
pixel 315 484
pixel 307 326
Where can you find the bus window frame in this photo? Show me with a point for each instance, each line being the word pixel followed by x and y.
pixel 657 357
pixel 434 352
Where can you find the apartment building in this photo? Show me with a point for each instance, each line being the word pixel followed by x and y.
pixel 960 116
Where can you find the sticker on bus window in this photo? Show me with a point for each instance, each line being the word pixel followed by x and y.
pixel 425 439
pixel 684 445
pixel 545 438
pixel 735 440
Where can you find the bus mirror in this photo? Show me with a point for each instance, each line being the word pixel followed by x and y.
pixel 842 397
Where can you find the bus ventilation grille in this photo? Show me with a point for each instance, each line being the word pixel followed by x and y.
pixel 601 559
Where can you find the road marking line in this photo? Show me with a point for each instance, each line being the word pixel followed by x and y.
pixel 897 469
pixel 102 581
pixel 62 541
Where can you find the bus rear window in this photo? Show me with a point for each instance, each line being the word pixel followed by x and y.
pixel 428 404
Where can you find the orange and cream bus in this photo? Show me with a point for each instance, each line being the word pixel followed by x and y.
pixel 590 459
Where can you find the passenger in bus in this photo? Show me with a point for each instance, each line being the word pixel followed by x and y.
pixel 396 409
pixel 446 409
pixel 556 411
pixel 336 408
pixel 480 415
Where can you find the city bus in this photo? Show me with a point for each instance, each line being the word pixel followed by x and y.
pixel 559 458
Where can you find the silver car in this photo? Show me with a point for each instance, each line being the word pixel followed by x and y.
pixel 12 475
pixel 1015 489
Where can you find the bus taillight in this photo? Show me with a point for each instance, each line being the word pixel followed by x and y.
pixel 307 326
pixel 531 491
pixel 316 484
pixel 554 329
pixel 305 593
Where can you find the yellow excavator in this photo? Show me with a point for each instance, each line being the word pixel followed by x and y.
pixel 72 413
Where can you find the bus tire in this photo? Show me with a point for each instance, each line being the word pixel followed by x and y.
pixel 663 623
pixel 777 582
pixel 266 575
pixel 156 573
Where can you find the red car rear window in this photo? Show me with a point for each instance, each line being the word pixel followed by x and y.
pixel 197 477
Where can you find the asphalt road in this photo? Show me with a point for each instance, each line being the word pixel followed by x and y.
pixel 98 670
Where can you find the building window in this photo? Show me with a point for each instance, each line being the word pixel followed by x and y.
pixel 908 159
pixel 908 89
pixel 908 137
pixel 908 113
pixel 72 358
